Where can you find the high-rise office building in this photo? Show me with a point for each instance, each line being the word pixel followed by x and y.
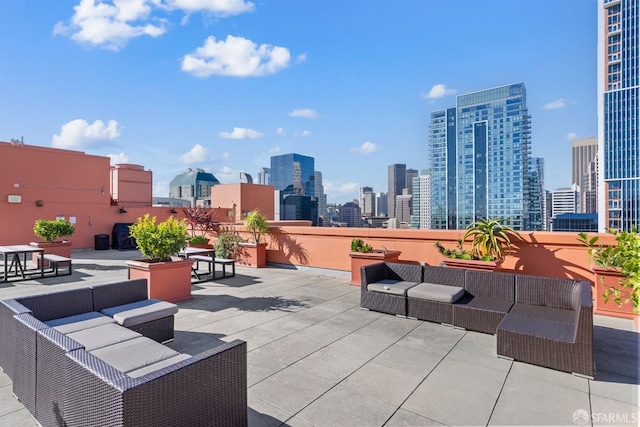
pixel 403 209
pixel 547 210
pixel 397 180
pixel 264 176
pixel 382 205
pixel 618 117
pixel 421 203
pixel 589 197
pixel 193 185
pixel 319 193
pixel 565 200
pixel 411 173
pixel 350 214
pixel 536 184
pixel 293 175
pixel 480 160
pixel 583 154
pixel 367 201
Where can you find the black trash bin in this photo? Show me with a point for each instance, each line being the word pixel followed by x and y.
pixel 101 242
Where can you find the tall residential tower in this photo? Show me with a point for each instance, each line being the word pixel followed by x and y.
pixel 480 163
pixel 618 114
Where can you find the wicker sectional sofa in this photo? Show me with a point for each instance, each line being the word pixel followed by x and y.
pixel 545 321
pixel 92 356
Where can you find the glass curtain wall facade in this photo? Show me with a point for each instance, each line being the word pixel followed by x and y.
pixel 480 160
pixel 619 114
pixel 396 180
pixel 293 174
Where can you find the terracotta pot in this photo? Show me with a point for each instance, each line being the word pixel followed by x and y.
pixel 252 255
pixel 604 279
pixel 168 281
pixel 60 248
pixel 472 264
pixel 360 259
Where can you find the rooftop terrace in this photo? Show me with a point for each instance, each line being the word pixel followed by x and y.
pixel 316 359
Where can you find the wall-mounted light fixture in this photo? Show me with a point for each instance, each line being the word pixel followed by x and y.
pixel 173 211
pixel 122 210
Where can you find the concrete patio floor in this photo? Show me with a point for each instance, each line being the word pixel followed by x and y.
pixel 316 359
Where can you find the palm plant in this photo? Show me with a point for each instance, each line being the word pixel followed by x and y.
pixel 257 224
pixel 490 238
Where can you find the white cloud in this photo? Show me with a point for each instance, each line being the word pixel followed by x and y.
pixel 219 8
pixel 306 113
pixel 273 150
pixel 281 132
pixel 235 56
pixel 110 25
pixel 367 147
pixel 198 154
pixel 305 133
pixel 78 133
pixel 571 136
pixel 118 158
pixel 438 91
pixel 301 58
pixel 241 133
pixel 558 103
pixel 161 189
pixel 225 175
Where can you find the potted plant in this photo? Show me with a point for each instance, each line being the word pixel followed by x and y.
pixel 491 241
pixel 363 254
pixel 617 273
pixel 254 252
pixel 226 245
pixel 51 232
pixel 199 242
pixel 168 276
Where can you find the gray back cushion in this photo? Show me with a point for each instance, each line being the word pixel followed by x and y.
pixel 544 291
pixel 59 304
pixel 444 276
pixel 404 272
pixel 484 284
pixel 119 293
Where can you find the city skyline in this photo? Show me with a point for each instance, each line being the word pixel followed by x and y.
pixel 169 86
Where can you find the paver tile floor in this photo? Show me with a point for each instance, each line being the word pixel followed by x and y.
pixel 316 359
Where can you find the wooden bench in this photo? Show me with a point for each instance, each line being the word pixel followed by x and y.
pixel 55 261
pixel 212 261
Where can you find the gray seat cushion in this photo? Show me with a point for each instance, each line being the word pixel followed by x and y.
pixel 134 354
pixel 388 286
pixel 67 325
pixel 140 312
pixel 102 336
pixel 158 365
pixel 436 292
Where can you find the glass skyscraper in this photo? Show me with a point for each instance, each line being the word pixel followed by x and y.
pixel 293 174
pixel 480 154
pixel 618 114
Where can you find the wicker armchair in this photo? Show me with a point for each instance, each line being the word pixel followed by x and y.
pixel 435 311
pixel 395 276
pixel 550 324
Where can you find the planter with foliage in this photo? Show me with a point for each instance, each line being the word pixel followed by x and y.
pixel 491 241
pixel 168 276
pixel 199 242
pixel 254 253
pixel 52 231
pixel 363 254
pixel 617 273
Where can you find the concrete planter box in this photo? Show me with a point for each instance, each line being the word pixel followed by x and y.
pixel 360 259
pixel 168 281
pixel 472 264
pixel 603 280
pixel 252 255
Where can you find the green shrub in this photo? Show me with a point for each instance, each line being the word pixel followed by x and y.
pixel 358 245
pixel 227 244
pixel 198 240
pixel 50 230
pixel 257 224
pixel 159 241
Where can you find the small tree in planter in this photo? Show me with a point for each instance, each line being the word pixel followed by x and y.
pixel 254 254
pixel 167 278
pixel 617 270
pixel 50 231
pixel 226 245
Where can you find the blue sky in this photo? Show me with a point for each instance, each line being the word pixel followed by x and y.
pixel 224 84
